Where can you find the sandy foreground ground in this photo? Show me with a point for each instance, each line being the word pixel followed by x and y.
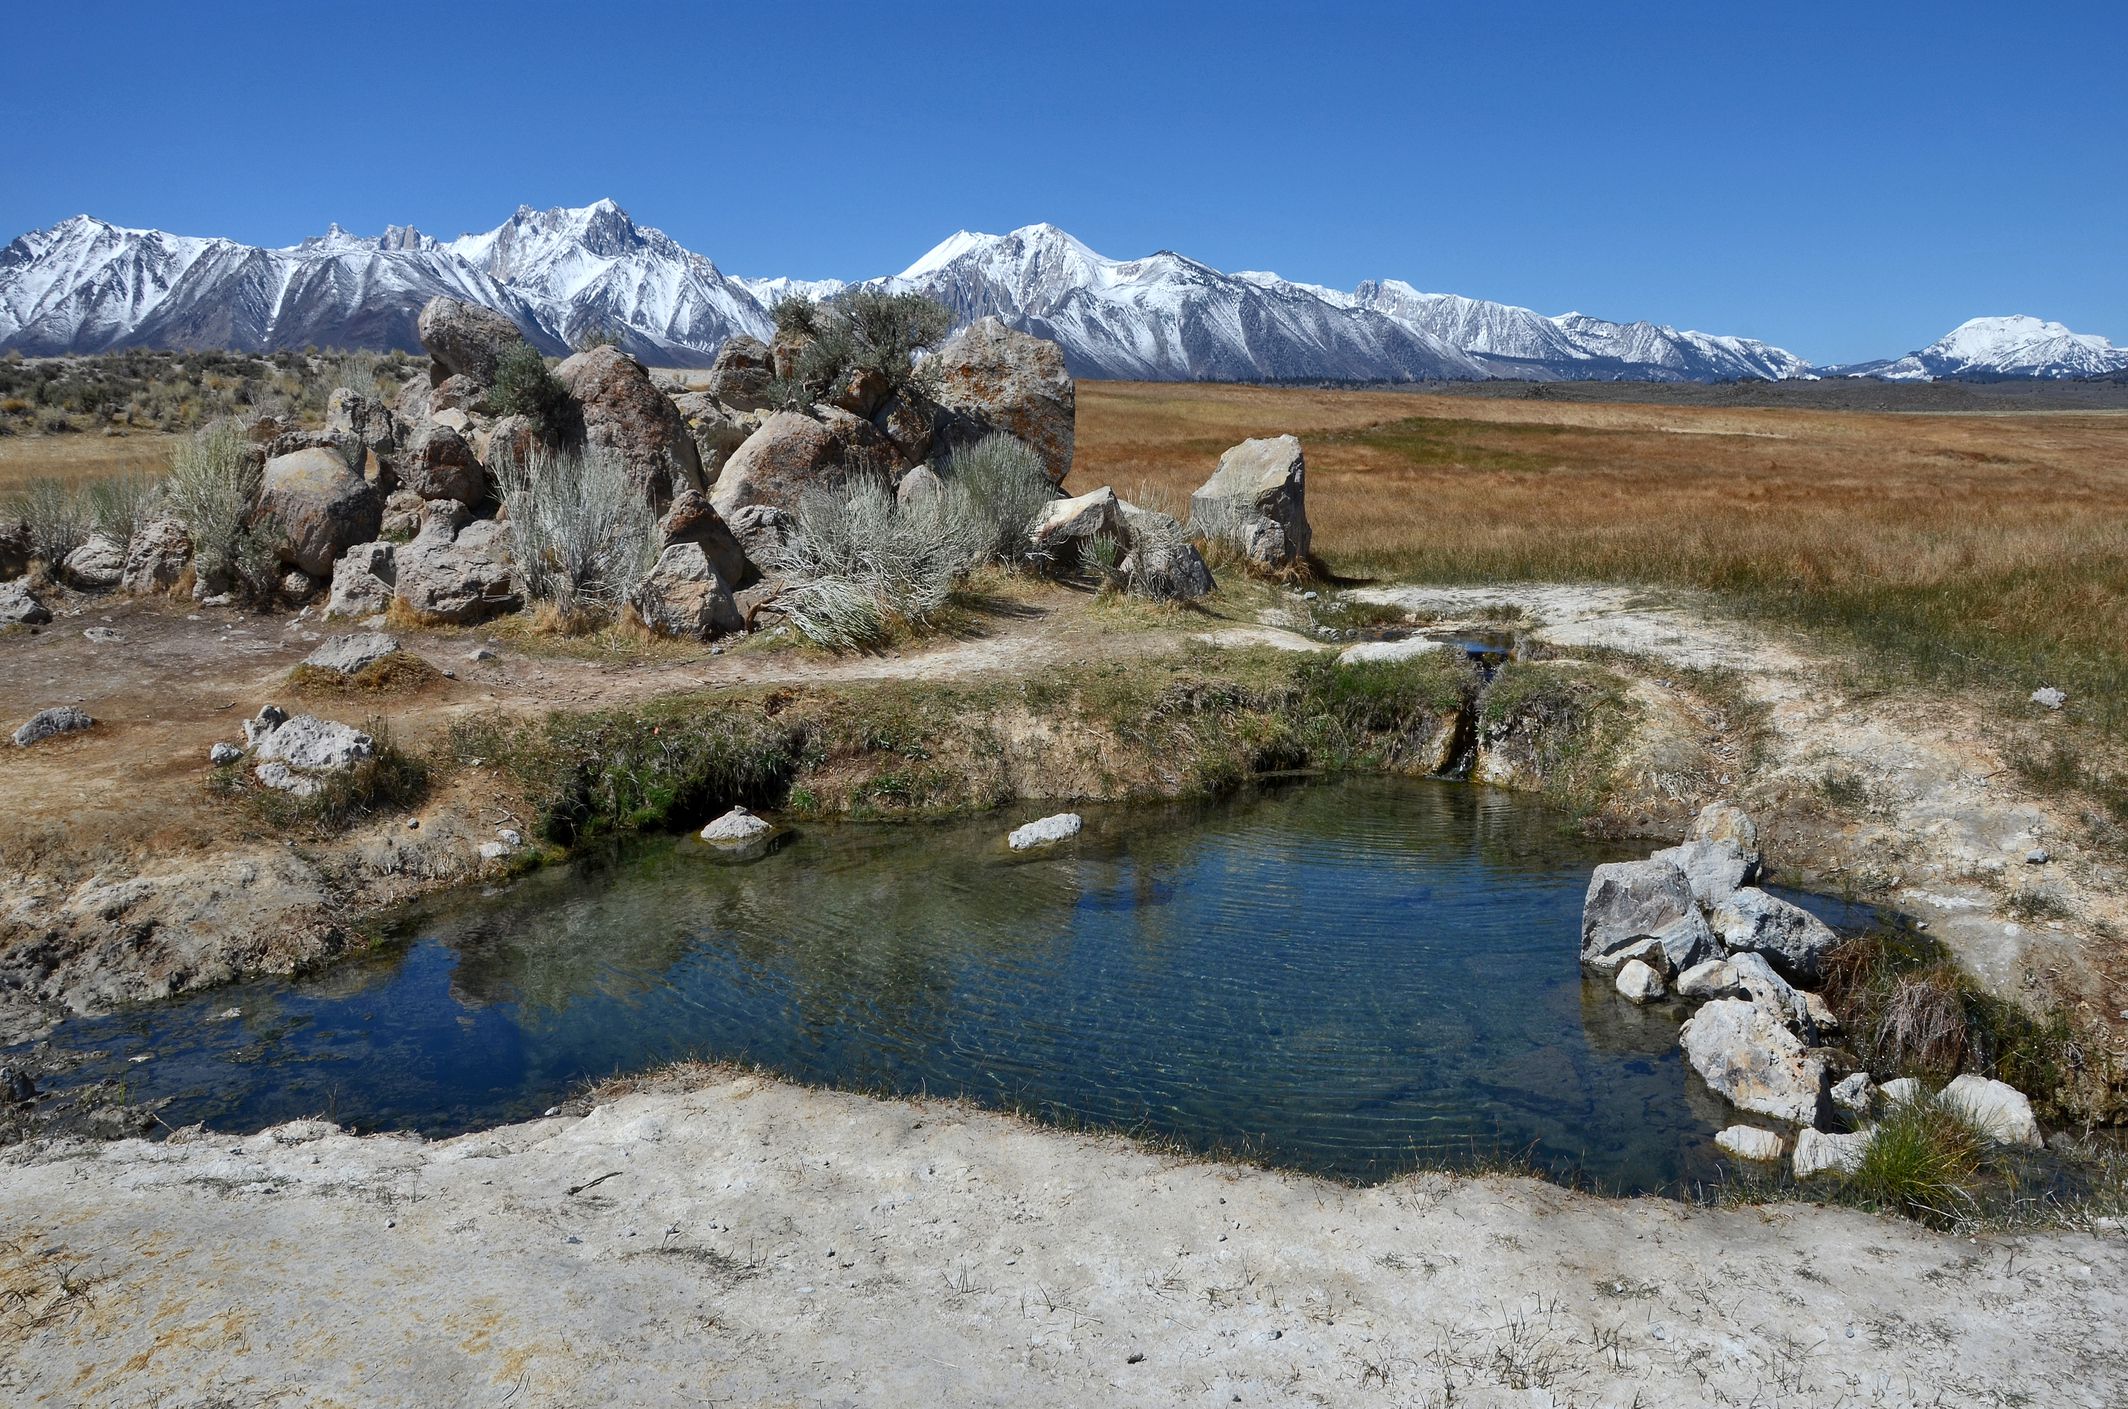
pixel 749 1241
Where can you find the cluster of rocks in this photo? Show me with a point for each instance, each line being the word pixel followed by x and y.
pixel 1688 922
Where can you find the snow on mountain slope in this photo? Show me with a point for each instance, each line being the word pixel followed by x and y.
pixel 2013 346
pixel 84 285
pixel 1168 317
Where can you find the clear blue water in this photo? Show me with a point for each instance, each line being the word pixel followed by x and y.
pixel 1349 977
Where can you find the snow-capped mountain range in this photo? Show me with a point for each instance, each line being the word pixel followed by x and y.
pixel 87 286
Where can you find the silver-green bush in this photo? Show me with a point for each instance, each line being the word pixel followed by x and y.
pixel 1004 486
pixel 59 516
pixel 213 484
pixel 582 531
pixel 857 562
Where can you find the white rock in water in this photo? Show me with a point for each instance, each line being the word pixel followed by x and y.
pixel 1711 978
pixel 1045 831
pixel 1855 1093
pixel 1639 982
pixel 736 828
pixel 1817 1152
pixel 2049 697
pixel 1745 1052
pixel 2000 1110
pixel 1750 1142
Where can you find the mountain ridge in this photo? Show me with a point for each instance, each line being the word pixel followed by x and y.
pixel 85 285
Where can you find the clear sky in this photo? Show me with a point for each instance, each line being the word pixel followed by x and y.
pixel 1845 180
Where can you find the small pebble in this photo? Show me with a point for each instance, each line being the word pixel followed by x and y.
pixel 2037 856
pixel 413 824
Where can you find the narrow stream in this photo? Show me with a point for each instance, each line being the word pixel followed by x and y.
pixel 1348 977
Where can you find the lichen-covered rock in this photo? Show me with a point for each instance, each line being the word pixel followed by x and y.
pixel 859 447
pixel 1998 1110
pixel 911 422
pixel 686 597
pixel 370 422
pixel 740 376
pixel 465 338
pixel 718 429
pixel 50 723
pixel 692 519
pixel 776 465
pixel 157 559
pixel 321 506
pixel 1710 978
pixel 362 581
pixel 438 464
pixel 309 744
pixel 763 531
pixel 457 571
pixel 1855 1093
pixel 624 412
pixel 97 565
pixel 994 378
pixel 1629 901
pixel 1257 501
pixel 1793 939
pixel 19 606
pixel 1747 1055
pixel 350 653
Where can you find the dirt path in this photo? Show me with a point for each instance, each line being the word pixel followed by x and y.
pixel 753 1242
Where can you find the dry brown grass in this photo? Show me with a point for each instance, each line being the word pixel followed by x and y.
pixel 1991 550
pixel 82 456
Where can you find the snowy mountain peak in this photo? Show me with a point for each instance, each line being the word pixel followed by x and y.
pixel 2016 345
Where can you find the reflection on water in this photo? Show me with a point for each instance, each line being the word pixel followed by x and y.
pixel 1345 977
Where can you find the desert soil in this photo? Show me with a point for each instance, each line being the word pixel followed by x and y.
pixel 748 1241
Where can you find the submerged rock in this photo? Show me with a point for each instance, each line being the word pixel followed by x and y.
pixel 1057 828
pixel 1639 982
pixel 1750 1142
pixel 738 828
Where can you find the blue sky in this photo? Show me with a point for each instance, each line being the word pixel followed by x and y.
pixel 1844 180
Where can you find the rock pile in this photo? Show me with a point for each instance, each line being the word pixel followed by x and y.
pixel 1687 921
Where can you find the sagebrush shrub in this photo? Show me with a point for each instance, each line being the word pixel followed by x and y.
pixel 212 486
pixel 581 529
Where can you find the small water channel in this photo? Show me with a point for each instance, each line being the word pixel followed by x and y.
pixel 1347 977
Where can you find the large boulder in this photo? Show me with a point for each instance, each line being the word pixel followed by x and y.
pixel 1793 939
pixel 685 596
pixel 912 423
pixel 763 531
pixel 740 376
pixel 994 378
pixel 323 508
pixel 1748 1055
pixel 1257 501
pixel 1715 869
pixel 789 455
pixel 718 429
pixel 1726 822
pixel 465 339
pixel 96 565
pixel 692 519
pixel 1629 901
pixel 860 448
pixel 624 412
pixel 158 557
pixel 19 606
pixel 457 570
pixel 362 580
pixel 439 464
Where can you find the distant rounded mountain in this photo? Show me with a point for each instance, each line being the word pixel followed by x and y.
pixel 84 285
